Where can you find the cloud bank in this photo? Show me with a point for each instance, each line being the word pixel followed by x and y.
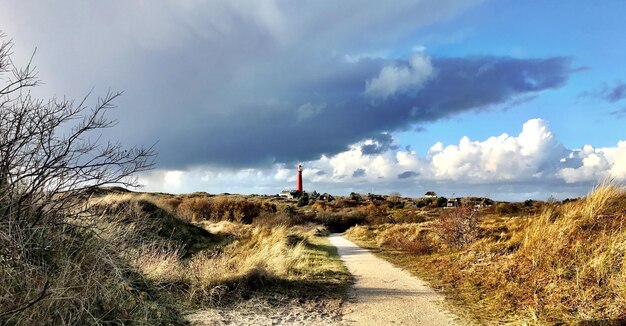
pixel 531 164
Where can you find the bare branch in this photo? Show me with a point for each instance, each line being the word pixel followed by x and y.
pixel 30 303
pixel 47 169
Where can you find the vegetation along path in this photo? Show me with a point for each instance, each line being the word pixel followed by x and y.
pixel 385 294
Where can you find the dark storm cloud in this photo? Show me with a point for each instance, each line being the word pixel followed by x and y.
pixel 358 173
pixel 610 93
pixel 407 174
pixel 382 143
pixel 320 173
pixel 235 84
pixel 262 133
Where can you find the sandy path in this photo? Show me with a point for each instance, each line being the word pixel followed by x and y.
pixel 385 294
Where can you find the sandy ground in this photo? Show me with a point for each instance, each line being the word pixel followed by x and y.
pixel 264 312
pixel 386 295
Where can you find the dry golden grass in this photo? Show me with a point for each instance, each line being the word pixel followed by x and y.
pixel 236 259
pixel 132 260
pixel 81 279
pixel 257 257
pixel 564 265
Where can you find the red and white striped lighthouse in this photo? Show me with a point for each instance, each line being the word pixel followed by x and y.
pixel 299 181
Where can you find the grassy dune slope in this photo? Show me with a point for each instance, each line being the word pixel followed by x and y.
pixel 134 260
pixel 214 262
pixel 564 265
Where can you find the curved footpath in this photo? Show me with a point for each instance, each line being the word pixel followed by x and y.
pixel 386 295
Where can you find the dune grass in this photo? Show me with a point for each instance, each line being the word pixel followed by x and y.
pixel 130 259
pixel 218 262
pixel 69 275
pixel 564 265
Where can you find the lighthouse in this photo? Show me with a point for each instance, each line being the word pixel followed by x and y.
pixel 299 181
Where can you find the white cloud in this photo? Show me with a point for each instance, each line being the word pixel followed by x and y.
pixel 376 166
pixel 618 169
pixel 163 180
pixel 532 163
pixel 398 79
pixel 282 174
pixel 499 158
pixel 596 164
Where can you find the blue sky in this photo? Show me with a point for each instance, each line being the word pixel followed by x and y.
pixel 514 99
pixel 591 33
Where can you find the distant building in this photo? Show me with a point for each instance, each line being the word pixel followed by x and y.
pixel 430 194
pixel 289 194
pixel 453 202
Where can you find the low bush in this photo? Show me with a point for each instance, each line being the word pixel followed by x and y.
pixel 457 227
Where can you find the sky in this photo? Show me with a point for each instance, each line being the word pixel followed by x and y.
pixel 506 99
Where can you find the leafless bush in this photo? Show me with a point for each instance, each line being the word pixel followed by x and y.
pixel 50 156
pixel 457 227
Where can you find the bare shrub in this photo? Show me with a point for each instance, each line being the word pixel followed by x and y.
pixel 53 268
pixel 457 227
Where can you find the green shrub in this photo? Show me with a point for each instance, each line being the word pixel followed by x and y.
pixel 303 200
pixel 355 196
